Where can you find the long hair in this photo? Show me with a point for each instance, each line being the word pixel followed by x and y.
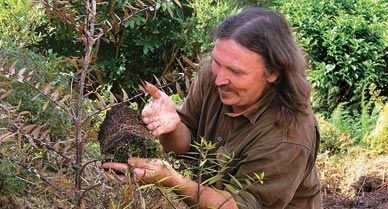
pixel 268 34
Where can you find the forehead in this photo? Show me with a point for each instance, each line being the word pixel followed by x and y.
pixel 231 54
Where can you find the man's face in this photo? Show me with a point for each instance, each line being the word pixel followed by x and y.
pixel 240 74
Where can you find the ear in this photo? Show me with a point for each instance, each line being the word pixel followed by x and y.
pixel 273 76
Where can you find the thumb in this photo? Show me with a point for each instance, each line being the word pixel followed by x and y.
pixel 152 90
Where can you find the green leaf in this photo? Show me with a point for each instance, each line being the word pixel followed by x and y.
pixel 231 189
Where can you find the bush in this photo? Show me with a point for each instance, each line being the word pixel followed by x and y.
pixel 378 138
pixel 346 44
pixel 333 140
pixel 198 27
pixel 18 21
pixel 48 69
pixel 137 46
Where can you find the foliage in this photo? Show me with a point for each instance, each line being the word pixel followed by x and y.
pixel 333 140
pixel 58 167
pixel 378 137
pixel 339 172
pixel 198 27
pixel 26 96
pixel 346 42
pixel 18 22
pixel 138 41
pixel 212 168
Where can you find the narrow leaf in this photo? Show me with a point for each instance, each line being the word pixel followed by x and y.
pixel 169 10
pixel 6 94
pixel 27 129
pixel 6 136
pixel 2 84
pixel 101 99
pixel 21 72
pixel 11 69
pixel 125 95
pixel 24 113
pixel 45 105
pixel 35 133
pixel 47 88
pixel 231 189
pixel 112 98
pixel 29 76
pixel 236 181
pixel 178 3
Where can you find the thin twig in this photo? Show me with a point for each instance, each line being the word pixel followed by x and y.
pixel 128 100
pixel 37 142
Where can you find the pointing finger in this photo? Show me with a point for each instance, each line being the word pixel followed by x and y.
pixel 121 167
pixel 152 90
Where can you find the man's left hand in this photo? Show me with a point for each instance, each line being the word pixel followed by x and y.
pixel 146 170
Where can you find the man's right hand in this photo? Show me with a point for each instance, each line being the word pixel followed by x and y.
pixel 160 114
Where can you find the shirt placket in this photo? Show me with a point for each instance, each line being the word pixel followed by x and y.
pixel 224 130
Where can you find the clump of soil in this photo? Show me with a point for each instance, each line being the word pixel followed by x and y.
pixel 371 192
pixel 122 134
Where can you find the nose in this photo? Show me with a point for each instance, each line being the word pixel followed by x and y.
pixel 221 77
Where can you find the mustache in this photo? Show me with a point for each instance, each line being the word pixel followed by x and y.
pixel 228 88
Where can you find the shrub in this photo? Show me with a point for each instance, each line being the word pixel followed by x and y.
pixel 333 140
pixel 18 21
pixel 198 27
pixel 346 43
pixel 378 137
pixel 50 69
pixel 140 43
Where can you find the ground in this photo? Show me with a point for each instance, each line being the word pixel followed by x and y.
pixel 371 192
pixel 376 200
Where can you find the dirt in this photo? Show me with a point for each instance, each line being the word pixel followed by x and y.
pixel 122 134
pixel 370 192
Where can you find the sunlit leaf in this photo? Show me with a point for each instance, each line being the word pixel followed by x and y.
pixel 169 10
pixel 140 3
pixel 24 113
pixel 29 76
pixel 65 98
pixel 145 186
pixel 11 69
pixel 47 88
pixel 21 72
pixel 236 181
pixel 178 3
pixel 212 180
pixel 112 98
pixel 55 95
pixel 231 188
pixel 157 81
pixel 45 105
pixel 125 95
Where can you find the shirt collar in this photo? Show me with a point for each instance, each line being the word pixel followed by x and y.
pixel 254 112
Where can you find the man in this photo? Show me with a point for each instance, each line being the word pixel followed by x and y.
pixel 253 102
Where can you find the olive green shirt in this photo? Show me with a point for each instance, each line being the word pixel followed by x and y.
pixel 257 145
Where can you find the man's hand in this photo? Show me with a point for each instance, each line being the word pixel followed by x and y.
pixel 146 170
pixel 160 115
pixel 152 170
